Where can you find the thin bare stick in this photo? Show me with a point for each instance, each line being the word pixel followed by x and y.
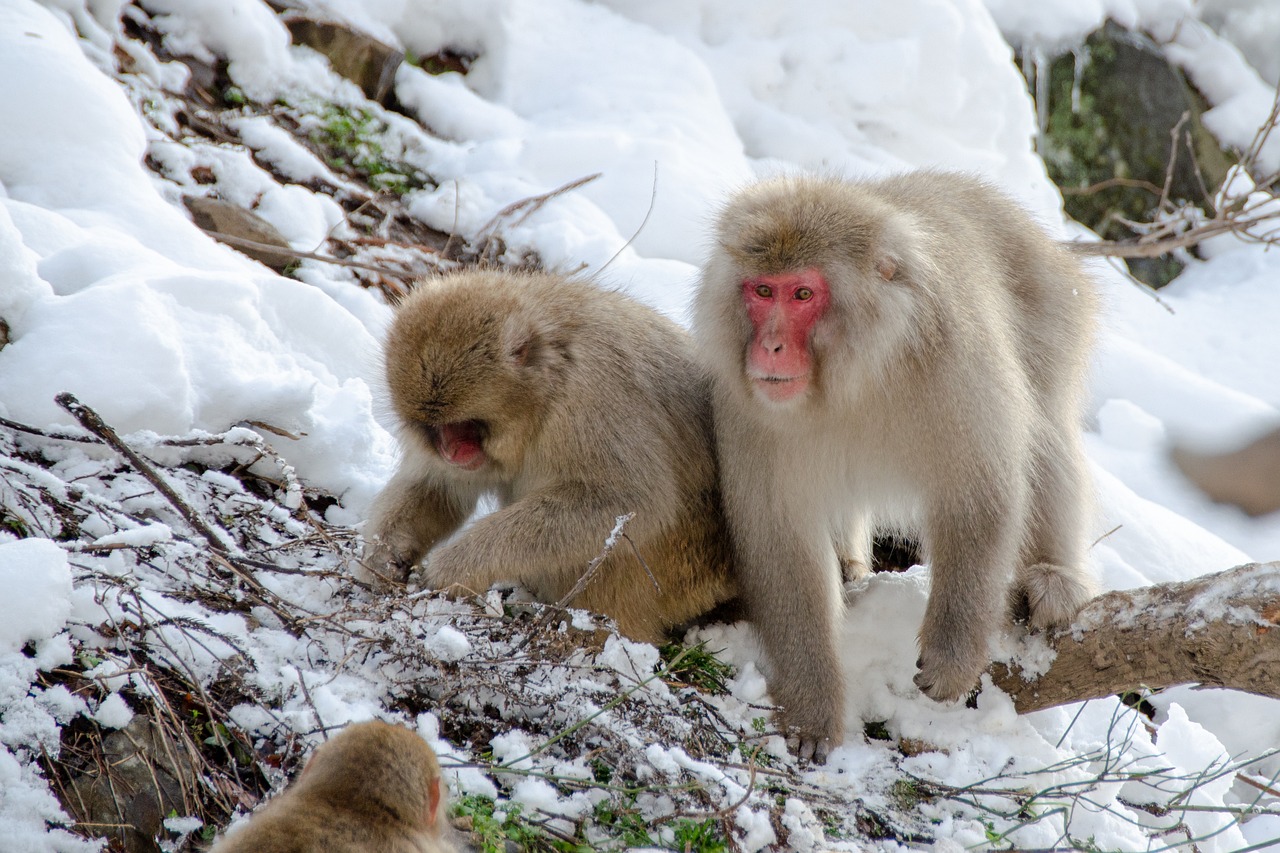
pixel 653 200
pixel 592 568
pixel 94 423
pixel 535 202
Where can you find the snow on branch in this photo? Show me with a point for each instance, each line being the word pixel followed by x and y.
pixel 1219 630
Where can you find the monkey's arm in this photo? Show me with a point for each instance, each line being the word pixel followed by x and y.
pixel 972 543
pixel 548 535
pixel 790 580
pixel 409 517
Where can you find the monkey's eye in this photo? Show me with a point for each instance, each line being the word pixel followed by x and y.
pixel 804 294
pixel 764 291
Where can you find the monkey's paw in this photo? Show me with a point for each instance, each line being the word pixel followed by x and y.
pixel 382 567
pixel 1053 594
pixel 813 739
pixel 944 678
pixel 815 749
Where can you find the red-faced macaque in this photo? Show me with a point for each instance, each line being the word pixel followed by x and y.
pixel 907 353
pixel 573 406
pixel 374 788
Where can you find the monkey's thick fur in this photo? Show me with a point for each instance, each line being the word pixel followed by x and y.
pixel 946 385
pixel 582 405
pixel 373 788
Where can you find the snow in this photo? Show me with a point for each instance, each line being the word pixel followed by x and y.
pixel 112 293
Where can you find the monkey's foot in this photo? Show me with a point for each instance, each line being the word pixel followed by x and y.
pixel 815 749
pixel 944 678
pixel 1053 594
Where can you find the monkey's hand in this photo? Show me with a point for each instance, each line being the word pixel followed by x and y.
pixel 948 674
pixel 382 565
pixel 455 569
pixel 811 740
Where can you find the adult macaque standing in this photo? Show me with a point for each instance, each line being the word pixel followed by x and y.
pixel 374 788
pixel 906 352
pixel 574 406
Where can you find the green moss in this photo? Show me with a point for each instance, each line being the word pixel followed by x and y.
pixel 351 140
pixel 1107 143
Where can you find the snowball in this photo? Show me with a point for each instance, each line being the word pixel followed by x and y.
pixel 113 712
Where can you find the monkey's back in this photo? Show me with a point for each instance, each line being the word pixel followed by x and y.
pixel 1037 286
pixel 638 412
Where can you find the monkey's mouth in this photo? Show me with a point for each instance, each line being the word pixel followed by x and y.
pixel 780 389
pixel 460 443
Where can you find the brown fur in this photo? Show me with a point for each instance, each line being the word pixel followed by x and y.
pixel 946 383
pixel 594 408
pixel 374 788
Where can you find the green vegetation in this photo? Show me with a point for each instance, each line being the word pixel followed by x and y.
pixel 697 667
pixel 1111 110
pixel 351 140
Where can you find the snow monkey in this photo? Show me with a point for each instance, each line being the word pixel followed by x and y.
pixel 573 406
pixel 374 788
pixel 910 353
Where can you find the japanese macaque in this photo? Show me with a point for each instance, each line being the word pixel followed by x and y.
pixel 374 788
pixel 574 406
pixel 907 353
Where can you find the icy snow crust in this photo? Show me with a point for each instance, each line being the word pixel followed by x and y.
pixel 111 292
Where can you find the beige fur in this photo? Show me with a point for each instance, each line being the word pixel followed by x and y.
pixel 947 378
pixel 594 407
pixel 374 788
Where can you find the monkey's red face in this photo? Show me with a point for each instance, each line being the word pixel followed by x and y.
pixel 783 309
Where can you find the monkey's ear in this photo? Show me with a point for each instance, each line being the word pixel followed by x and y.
pixel 896 244
pixel 887 266
pixel 435 793
pixel 524 350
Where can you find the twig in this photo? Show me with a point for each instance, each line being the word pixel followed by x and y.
pixel 93 422
pixel 553 610
pixel 653 200
pixel 535 202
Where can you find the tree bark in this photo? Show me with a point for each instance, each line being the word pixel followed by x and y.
pixel 1220 630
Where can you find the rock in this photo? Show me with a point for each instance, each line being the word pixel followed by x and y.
pixel 359 57
pixel 1112 109
pixel 133 789
pixel 233 221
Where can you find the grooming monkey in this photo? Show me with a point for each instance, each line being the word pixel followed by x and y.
pixel 573 406
pixel 374 788
pixel 907 352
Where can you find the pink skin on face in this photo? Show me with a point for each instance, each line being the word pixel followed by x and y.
pixel 461 444
pixel 782 309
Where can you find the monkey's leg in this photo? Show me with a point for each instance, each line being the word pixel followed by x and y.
pixel 972 546
pixel 1053 580
pixel 409 516
pixel 852 542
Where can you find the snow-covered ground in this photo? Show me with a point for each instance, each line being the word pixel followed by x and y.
pixel 110 292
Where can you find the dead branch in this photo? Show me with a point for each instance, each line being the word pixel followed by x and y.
pixel 93 422
pixel 534 203
pixel 1220 630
